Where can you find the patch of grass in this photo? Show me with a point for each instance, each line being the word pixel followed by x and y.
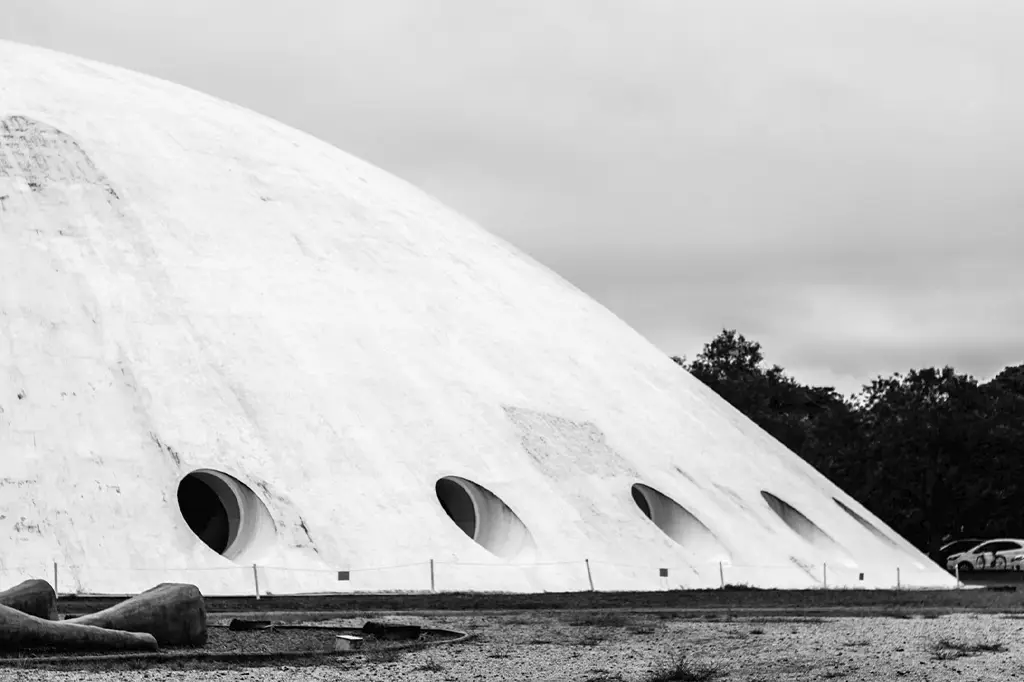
pixel 684 671
pixel 539 641
pixel 598 620
pixel 384 652
pixel 787 619
pixel 382 655
pixel 757 631
pixel 591 640
pixel 431 666
pixel 694 615
pixel 947 649
pixel 904 614
pixel 641 630
pixel 858 642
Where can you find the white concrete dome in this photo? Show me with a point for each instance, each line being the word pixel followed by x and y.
pixel 225 343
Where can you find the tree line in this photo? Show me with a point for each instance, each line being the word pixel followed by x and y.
pixel 933 452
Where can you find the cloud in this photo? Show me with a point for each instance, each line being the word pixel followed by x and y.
pixel 836 180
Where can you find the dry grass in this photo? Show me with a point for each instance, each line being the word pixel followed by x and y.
pixel 599 619
pixel 431 666
pixel 685 671
pixel 948 649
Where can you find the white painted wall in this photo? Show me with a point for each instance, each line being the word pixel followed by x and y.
pixel 192 286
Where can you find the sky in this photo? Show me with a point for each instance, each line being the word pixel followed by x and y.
pixel 840 181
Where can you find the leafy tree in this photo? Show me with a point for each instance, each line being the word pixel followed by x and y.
pixel 932 452
pixel 734 368
pixel 920 433
pixel 1010 380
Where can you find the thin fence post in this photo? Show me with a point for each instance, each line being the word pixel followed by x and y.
pixel 56 589
pixel 590 577
pixel 721 574
pixel 432 583
pixel 957 573
pixel 824 575
pixel 898 579
pixel 256 581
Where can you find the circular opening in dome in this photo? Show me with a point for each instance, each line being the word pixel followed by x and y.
pixel 484 517
pixel 678 523
pixel 804 527
pixel 866 524
pixel 457 504
pixel 225 514
pixel 641 501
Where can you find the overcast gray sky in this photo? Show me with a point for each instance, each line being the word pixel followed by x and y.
pixel 841 181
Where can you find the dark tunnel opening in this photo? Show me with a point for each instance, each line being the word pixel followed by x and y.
pixel 641 502
pixel 204 513
pixel 457 503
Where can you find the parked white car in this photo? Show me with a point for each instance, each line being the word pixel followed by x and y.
pixel 991 555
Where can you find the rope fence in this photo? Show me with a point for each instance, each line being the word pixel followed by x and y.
pixel 432 575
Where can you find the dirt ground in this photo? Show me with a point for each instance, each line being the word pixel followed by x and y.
pixel 606 645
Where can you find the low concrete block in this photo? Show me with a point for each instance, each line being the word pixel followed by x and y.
pixel 347 643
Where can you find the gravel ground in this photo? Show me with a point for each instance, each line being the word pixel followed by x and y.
pixel 607 646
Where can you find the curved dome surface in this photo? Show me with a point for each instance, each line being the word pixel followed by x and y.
pixel 224 343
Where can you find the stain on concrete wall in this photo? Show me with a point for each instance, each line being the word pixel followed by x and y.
pixel 43 156
pixel 564 448
pixel 586 471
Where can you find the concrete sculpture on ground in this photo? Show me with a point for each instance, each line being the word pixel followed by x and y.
pixel 174 614
pixel 168 614
pixel 34 597
pixel 224 343
pixel 20 631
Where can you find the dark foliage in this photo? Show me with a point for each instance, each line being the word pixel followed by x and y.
pixel 934 453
